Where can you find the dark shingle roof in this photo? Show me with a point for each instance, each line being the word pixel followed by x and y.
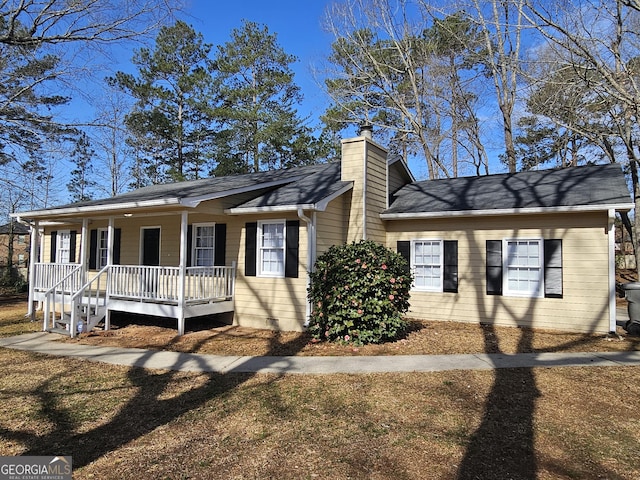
pixel 203 187
pixel 309 190
pixel 18 229
pixel 591 185
pixel 282 186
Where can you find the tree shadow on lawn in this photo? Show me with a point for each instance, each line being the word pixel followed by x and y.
pixel 503 445
pixel 147 410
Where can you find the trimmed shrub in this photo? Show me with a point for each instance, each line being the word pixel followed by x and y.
pixel 359 293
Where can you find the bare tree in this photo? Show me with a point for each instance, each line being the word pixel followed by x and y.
pixel 393 67
pixel 501 24
pixel 33 23
pixel 50 51
pixel 109 135
pixel 599 44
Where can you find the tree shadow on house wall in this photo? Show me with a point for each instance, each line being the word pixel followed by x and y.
pixel 503 446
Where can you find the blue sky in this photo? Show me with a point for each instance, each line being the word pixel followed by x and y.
pixel 297 23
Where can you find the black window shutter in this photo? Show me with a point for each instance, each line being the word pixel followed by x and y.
pixel 189 245
pixel 553 268
pixel 292 251
pixel 93 249
pixel 494 267
pixel 251 233
pixel 220 244
pixel 404 248
pixel 52 251
pixel 72 246
pixel 117 240
pixel 450 277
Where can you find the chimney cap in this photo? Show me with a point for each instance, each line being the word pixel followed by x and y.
pixel 366 130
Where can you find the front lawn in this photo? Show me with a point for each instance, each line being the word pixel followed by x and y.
pixel 133 423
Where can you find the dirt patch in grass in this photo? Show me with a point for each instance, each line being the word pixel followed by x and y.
pixel 425 338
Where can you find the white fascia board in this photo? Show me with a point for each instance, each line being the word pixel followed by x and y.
pixel 507 211
pixel 99 208
pixel 195 201
pixel 268 209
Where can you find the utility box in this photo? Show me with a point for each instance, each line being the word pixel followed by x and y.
pixel 632 294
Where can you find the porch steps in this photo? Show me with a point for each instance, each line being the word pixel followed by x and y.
pixel 61 325
pixel 61 331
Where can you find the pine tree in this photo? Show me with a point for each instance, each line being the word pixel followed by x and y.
pixel 259 127
pixel 81 184
pixel 171 118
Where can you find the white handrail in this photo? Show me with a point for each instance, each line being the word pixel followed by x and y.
pixel 93 299
pixel 52 291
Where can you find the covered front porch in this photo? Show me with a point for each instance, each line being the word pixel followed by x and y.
pixel 77 296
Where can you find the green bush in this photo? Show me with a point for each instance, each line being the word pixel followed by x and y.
pixel 359 293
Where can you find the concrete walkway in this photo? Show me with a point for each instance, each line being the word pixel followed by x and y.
pixel 193 362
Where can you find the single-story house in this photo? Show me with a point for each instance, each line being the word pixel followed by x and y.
pixel 530 249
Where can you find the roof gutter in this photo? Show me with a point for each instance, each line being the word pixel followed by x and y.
pixel 99 208
pixel 507 211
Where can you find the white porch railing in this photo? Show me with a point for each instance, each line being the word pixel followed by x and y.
pixel 65 276
pixel 90 300
pixel 162 284
pixel 204 284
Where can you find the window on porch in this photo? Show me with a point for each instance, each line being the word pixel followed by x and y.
pixel 203 244
pixel 103 248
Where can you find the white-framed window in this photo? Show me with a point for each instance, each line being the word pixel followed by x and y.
pixel 63 247
pixel 22 239
pixel 21 261
pixel 427 264
pixel 203 242
pixel 103 248
pixel 271 248
pixel 523 267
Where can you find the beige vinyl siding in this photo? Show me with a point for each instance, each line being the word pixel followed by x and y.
pixel 352 167
pixel 398 178
pixel 376 195
pixel 585 261
pixel 373 188
pixel 331 226
pixel 169 235
pixel 277 303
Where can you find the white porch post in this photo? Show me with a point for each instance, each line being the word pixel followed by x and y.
pixel 183 271
pixel 83 248
pixel 110 241
pixel 33 259
pixel 311 254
